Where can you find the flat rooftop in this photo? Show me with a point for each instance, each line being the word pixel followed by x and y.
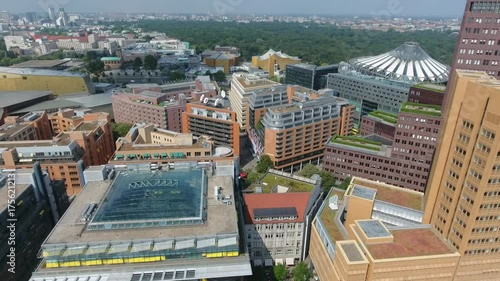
pixel 10 98
pixel 358 142
pixel 10 129
pixel 363 192
pixel 34 143
pixel 248 82
pixel 392 194
pixel 419 108
pixel 327 217
pixel 39 72
pixel 149 190
pixel 39 64
pixel 385 116
pixel 373 229
pixel 271 181
pixel 86 126
pixel 50 105
pixel 433 87
pixel 352 252
pixel 410 243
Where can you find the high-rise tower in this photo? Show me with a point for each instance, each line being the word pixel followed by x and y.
pixel 479 40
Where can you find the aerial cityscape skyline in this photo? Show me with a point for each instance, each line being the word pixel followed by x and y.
pixel 386 8
pixel 230 140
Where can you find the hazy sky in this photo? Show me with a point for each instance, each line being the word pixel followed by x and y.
pixel 394 8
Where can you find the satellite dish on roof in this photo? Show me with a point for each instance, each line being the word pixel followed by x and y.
pixel 216 102
pixel 202 97
pixel 205 101
pixel 223 94
pixel 333 202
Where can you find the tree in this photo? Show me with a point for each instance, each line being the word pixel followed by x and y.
pixel 327 181
pixel 220 76
pixel 150 62
pixel 301 272
pixel 280 272
pixel 94 66
pixel 120 129
pixel 176 76
pixel 345 183
pixel 136 65
pixel 264 164
pixel 308 170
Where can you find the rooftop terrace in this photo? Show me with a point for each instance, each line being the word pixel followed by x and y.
pixel 327 217
pixel 433 87
pixel 424 109
pixel 394 195
pixel 271 183
pixel 410 243
pixel 86 126
pixel 385 116
pixel 357 142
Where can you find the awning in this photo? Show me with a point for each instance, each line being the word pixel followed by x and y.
pixel 257 263
pixel 279 261
pixel 268 262
pixel 156 154
pixel 119 156
pixel 290 261
pixel 172 155
pixel 146 155
pixel 163 155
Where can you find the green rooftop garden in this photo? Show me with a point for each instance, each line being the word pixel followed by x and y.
pixel 357 142
pixel 386 116
pixel 269 181
pixel 424 109
pixel 431 87
pixel 328 218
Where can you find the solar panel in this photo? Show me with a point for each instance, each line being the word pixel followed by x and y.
pixel 275 212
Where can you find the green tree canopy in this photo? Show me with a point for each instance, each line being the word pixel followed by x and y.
pixel 136 64
pixel 150 62
pixel 301 272
pixel 220 76
pixel 308 170
pixel 280 272
pixel 120 129
pixel 264 164
pixel 176 76
pixel 345 183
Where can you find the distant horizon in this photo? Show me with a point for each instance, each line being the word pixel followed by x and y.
pixel 347 16
pixel 330 8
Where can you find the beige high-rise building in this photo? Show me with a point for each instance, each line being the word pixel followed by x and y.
pixel 463 193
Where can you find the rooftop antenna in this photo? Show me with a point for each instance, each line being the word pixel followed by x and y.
pixel 205 101
pixel 202 97
pixel 223 94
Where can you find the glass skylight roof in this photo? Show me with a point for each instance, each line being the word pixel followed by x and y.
pixel 156 199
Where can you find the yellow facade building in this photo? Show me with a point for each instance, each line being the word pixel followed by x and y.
pixel 463 192
pixel 274 62
pixel 373 231
pixel 58 82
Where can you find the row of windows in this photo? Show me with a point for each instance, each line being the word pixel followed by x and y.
pixel 483 251
pixel 490 206
pixel 488 218
pixel 489 42
pixel 477 62
pixel 484 229
pixel 484 31
pixel 485 7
